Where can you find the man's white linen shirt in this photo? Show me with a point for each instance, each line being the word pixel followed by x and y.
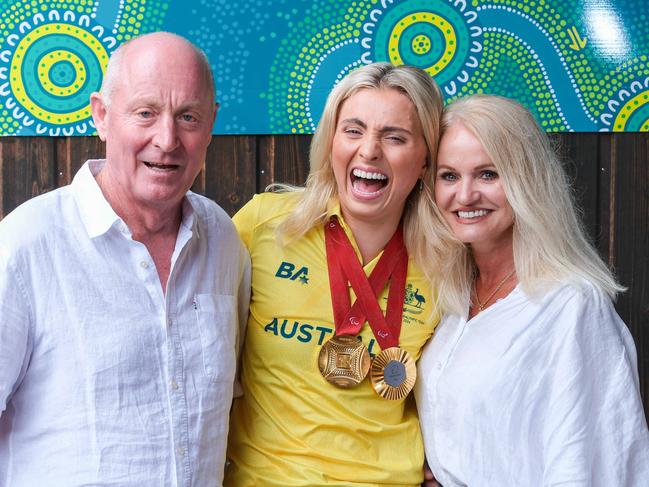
pixel 104 379
pixel 534 393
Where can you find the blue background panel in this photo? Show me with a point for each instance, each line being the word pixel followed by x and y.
pixel 579 66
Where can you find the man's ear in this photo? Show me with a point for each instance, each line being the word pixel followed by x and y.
pixel 99 114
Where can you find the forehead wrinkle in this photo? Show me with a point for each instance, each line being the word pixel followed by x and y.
pixel 138 80
pixel 151 100
pixel 145 100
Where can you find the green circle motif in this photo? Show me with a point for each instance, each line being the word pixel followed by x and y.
pixel 62 74
pixel 80 93
pixel 428 54
pixel 417 20
pixel 420 44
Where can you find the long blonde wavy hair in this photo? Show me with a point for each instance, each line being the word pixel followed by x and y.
pixel 549 241
pixel 419 227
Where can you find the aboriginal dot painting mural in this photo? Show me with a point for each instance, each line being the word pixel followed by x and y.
pixel 578 65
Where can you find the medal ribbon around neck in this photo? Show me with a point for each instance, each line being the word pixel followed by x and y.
pixel 344 267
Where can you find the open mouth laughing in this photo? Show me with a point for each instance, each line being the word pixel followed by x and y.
pixel 368 183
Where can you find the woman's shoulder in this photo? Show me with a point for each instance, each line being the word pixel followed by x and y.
pixel 264 211
pixel 577 293
pixel 267 206
pixel 583 311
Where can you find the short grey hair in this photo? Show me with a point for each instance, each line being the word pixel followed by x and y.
pixel 111 76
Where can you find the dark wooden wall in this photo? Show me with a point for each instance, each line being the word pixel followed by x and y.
pixel 611 175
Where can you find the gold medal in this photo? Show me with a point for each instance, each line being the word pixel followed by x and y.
pixel 344 361
pixel 393 373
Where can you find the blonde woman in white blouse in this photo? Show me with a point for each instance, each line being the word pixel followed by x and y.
pixel 531 378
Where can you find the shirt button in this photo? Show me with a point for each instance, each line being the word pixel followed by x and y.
pixel 174 384
pixel 439 365
pixel 144 264
pixel 181 452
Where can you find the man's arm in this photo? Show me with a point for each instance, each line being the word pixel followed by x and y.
pixel 243 301
pixel 14 329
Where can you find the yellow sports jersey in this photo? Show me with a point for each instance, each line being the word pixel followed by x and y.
pixel 291 427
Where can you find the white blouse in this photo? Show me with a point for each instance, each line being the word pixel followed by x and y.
pixel 534 393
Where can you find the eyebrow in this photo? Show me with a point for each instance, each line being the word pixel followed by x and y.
pixel 191 105
pixel 479 168
pixel 383 130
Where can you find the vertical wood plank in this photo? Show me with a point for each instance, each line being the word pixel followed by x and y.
pixel 230 171
pixel 611 175
pixel 579 154
pixel 606 197
pixel 283 159
pixel 28 169
pixel 72 152
pixel 631 240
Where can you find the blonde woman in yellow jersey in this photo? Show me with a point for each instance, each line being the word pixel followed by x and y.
pixel 330 265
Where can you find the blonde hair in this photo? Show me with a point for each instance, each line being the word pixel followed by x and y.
pixel 418 217
pixel 549 241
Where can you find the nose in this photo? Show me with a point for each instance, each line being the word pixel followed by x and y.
pixel 370 149
pixel 166 134
pixel 468 192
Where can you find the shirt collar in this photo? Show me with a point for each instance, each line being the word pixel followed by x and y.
pixel 333 208
pixel 189 222
pixel 96 213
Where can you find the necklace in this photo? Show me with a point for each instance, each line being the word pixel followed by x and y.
pixel 481 305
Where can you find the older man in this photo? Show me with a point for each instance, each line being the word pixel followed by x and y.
pixel 121 294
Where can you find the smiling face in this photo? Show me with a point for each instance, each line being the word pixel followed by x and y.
pixel 158 124
pixel 378 154
pixel 469 192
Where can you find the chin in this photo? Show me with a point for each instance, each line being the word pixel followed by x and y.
pixel 365 210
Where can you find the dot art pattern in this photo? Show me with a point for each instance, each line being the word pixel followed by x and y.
pixel 578 67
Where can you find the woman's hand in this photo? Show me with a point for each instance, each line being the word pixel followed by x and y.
pixel 429 479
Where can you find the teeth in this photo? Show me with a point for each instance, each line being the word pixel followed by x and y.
pixel 155 165
pixel 368 175
pixel 472 214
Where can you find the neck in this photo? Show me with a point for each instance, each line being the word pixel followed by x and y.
pixel 494 260
pixel 144 222
pixel 371 238
pixel 493 268
pixel 155 227
pixel 496 276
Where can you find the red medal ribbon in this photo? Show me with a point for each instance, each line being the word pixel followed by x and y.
pixel 343 266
